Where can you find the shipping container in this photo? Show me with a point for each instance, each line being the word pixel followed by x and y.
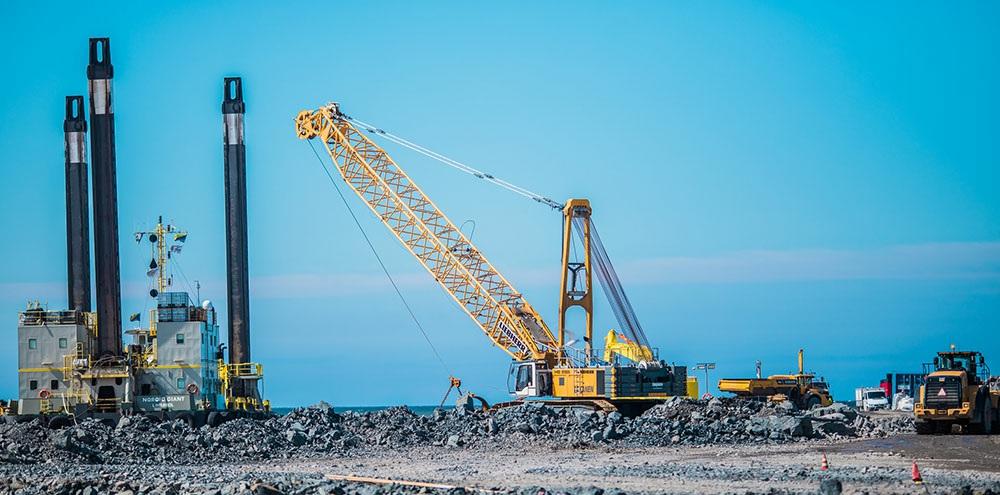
pixel 172 299
pixel 908 383
pixel 172 314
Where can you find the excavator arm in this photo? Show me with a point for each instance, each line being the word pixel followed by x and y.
pixel 499 310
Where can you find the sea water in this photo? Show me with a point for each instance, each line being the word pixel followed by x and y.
pixel 419 410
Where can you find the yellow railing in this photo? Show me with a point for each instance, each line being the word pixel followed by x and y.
pixel 250 370
pixel 107 404
pixel 241 371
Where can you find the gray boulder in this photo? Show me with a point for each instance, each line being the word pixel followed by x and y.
pixel 524 427
pixel 615 417
pixel 835 408
pixel 830 428
pixel 833 417
pixel 295 437
pixel 787 406
pixel 583 415
pixel 794 426
pixel 611 433
pixel 830 487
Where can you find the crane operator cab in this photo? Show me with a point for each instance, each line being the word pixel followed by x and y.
pixel 529 379
pixel 956 361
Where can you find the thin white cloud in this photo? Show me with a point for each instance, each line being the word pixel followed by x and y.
pixel 940 261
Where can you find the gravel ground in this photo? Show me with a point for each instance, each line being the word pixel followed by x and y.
pixel 719 446
pixel 792 468
pixel 860 466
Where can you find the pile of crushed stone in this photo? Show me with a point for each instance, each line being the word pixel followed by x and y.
pixel 318 430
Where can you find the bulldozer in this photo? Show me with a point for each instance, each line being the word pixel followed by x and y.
pixel 801 388
pixel 959 391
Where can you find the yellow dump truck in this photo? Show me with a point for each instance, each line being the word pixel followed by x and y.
pixel 959 392
pixel 800 388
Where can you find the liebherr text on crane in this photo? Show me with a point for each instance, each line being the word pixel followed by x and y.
pixel 625 375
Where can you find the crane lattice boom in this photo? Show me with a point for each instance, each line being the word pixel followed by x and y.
pixel 499 310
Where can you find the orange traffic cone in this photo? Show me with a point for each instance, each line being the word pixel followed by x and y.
pixel 915 473
pixel 825 465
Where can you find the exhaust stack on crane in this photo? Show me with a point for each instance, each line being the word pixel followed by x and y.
pixel 105 183
pixel 77 207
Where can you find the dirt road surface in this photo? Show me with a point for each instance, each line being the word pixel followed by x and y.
pixel 872 466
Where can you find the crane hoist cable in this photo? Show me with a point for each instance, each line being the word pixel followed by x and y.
pixel 385 270
pixel 622 308
pixel 457 164
pixel 613 289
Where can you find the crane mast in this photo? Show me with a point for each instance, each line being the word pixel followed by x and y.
pixel 499 310
pixel 577 287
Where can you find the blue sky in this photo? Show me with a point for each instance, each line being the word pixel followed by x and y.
pixel 765 177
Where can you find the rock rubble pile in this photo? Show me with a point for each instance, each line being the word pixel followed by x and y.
pixel 320 431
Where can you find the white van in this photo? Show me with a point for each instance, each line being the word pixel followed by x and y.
pixel 870 399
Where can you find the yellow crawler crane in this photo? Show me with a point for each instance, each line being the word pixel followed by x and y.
pixel 800 388
pixel 545 366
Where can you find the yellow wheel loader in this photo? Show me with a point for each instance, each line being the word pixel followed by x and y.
pixel 959 392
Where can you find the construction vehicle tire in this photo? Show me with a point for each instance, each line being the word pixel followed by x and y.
pixel 812 401
pixel 981 424
pixel 187 418
pixel 987 415
pixel 214 419
pixel 59 422
pixel 942 427
pixel 985 426
pixel 924 427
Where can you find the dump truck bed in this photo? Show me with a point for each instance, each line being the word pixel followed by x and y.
pixel 753 387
